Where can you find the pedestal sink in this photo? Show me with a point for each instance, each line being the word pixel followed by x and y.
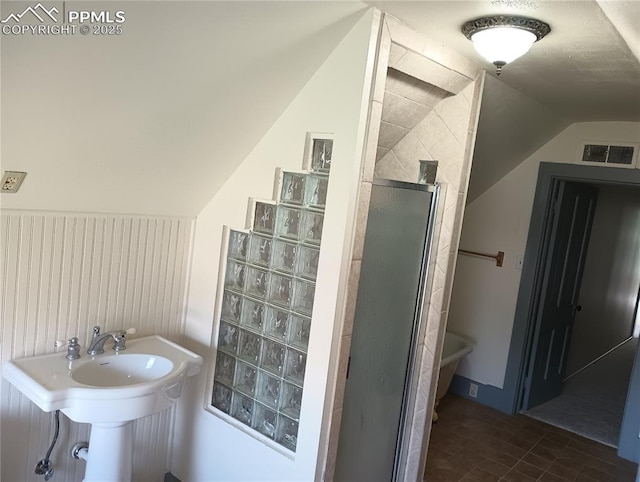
pixel 108 391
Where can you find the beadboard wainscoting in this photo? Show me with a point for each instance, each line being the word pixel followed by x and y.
pixel 63 273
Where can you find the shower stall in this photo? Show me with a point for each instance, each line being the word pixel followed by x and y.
pixel 389 308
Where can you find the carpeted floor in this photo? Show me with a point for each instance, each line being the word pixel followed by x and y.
pixel 592 402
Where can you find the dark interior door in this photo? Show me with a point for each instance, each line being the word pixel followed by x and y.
pixel 572 217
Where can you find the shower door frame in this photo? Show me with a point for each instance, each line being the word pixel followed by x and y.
pixel 404 371
pixel 408 399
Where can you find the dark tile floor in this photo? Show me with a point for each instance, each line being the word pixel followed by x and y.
pixel 471 442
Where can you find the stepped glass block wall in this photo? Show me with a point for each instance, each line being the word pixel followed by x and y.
pixel 265 316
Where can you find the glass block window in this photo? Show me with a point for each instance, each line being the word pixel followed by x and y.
pixel 267 302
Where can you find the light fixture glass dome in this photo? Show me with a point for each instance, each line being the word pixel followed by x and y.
pixel 502 38
pixel 502 44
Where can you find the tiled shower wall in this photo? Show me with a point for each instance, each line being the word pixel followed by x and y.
pixel 446 134
pixel 63 273
pixel 441 136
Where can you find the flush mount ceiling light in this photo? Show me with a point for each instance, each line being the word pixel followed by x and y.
pixel 502 39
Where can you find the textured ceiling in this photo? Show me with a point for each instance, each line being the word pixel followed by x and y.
pixel 584 70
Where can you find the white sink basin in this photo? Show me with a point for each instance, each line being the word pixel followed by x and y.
pixel 123 369
pixel 109 388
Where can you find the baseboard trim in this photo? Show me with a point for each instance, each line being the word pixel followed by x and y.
pixel 489 395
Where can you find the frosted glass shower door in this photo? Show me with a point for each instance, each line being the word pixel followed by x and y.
pixel 387 307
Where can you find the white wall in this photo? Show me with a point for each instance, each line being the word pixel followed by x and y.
pixel 153 121
pixel 484 296
pixel 207 448
pixel 501 117
pixel 63 273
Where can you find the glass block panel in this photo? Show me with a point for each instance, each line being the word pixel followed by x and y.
pixel 225 368
pixel 296 366
pixel 321 155
pixel 260 250
pixel 238 242
pixel 303 296
pixel 221 398
pixel 249 347
pixel 307 265
pixel 280 290
pixel 292 188
pixel 312 230
pixel 266 306
pixel 235 275
pixel 284 256
pixel 242 408
pixel 428 172
pixel 299 329
pixel 288 224
pixel 265 420
pixel 273 355
pixel 265 218
pixel 287 432
pixel 316 191
pixel 231 307
pixel 256 282
pixel 268 391
pixel 252 315
pixel 228 338
pixel 246 378
pixel 291 400
pixel 276 324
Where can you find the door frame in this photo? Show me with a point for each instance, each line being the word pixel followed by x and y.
pixel 534 261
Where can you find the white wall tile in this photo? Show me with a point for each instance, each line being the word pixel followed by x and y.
pixel 398 110
pixel 362 215
pixel 352 292
pixel 373 151
pixel 390 134
pixel 389 167
pixel 414 89
pixel 409 151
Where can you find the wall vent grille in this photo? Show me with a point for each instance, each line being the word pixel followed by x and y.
pixel 623 155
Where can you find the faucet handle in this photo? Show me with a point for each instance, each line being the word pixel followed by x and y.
pixel 73 349
pixel 120 339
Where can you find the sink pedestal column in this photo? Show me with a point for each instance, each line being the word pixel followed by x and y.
pixel 110 452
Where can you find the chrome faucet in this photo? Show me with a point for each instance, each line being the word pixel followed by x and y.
pixel 119 337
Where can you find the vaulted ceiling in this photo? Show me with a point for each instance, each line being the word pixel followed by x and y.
pixel 154 121
pixel 584 70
